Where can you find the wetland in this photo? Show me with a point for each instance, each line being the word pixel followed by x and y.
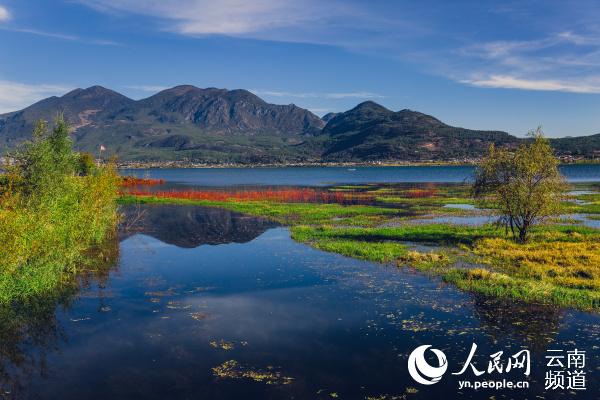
pixel 316 287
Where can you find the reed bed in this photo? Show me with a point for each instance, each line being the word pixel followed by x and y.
pixel 296 195
pixel 132 181
pixel 420 193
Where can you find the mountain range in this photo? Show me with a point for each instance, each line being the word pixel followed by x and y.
pixel 216 126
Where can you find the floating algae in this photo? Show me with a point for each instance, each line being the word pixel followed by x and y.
pixel 225 345
pixel 417 324
pixel 232 369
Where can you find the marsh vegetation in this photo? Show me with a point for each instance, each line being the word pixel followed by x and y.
pixel 57 210
pixel 406 225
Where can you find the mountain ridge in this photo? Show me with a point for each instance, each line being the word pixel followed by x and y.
pixel 216 126
pixel 371 131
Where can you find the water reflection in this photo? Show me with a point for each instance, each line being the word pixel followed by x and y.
pixel 189 226
pixel 297 322
pixel 27 333
pixel 30 331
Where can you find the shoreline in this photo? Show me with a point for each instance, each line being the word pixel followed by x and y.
pixel 193 165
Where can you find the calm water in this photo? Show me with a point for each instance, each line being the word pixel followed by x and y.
pixel 197 287
pixel 306 176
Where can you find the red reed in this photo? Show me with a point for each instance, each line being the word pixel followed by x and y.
pixel 129 181
pixel 287 195
pixel 420 193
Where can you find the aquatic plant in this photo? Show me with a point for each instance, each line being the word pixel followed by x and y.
pixel 420 193
pixel 234 370
pixel 129 181
pixel 282 195
pixel 287 213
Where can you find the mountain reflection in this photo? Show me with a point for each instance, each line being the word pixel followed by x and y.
pixel 189 227
pixel 27 333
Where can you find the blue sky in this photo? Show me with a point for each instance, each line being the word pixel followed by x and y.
pixel 479 64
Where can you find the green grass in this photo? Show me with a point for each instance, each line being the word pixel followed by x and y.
pixel 43 245
pixel 427 201
pixel 438 234
pixel 288 213
pixel 572 208
pixel 506 286
pixel 591 197
pixel 327 239
pixel 56 215
pixel 560 265
pixel 593 208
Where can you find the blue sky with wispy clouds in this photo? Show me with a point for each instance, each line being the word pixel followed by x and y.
pixel 509 65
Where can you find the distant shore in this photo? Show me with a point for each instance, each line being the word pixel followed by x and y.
pixel 193 165
pixel 199 165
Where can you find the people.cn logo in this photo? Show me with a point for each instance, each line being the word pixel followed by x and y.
pixel 421 371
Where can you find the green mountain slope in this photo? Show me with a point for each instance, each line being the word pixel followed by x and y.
pixel 224 126
pixel 185 122
pixel 581 146
pixel 372 132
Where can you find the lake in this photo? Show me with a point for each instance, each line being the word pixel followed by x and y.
pixel 319 176
pixel 212 304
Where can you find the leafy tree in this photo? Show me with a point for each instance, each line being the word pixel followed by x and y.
pixel 525 185
pixel 43 164
pixel 85 164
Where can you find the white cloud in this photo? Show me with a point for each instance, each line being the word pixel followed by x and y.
pixel 61 36
pixel 227 17
pixel 574 38
pixel 565 62
pixel 4 14
pixel 317 95
pixel 561 49
pixel 308 21
pixel 509 82
pixel 43 33
pixel 15 95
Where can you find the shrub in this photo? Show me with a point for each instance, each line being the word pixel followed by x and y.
pixel 52 212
